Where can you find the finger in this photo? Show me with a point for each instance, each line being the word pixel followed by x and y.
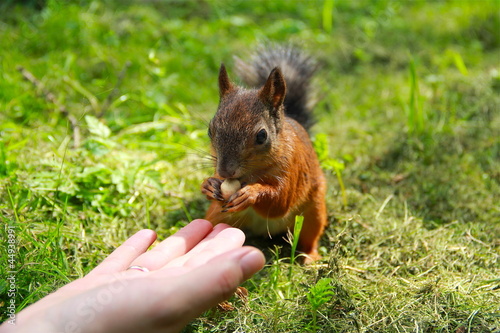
pixel 122 257
pixel 235 196
pixel 211 188
pixel 239 199
pixel 175 246
pixel 216 189
pixel 237 205
pixel 205 286
pixel 213 234
pixel 222 239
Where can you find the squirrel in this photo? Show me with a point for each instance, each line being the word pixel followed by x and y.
pixel 259 137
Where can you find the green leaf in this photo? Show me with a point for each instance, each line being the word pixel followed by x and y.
pixel 97 128
pixel 320 293
pixel 321 146
pixel 459 63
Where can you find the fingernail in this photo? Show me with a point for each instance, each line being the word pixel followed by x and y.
pixel 252 262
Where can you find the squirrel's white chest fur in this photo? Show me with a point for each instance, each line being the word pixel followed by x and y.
pixel 258 225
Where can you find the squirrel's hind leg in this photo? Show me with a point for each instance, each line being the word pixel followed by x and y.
pixel 315 221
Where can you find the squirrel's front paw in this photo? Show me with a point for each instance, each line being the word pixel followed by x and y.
pixel 241 200
pixel 211 188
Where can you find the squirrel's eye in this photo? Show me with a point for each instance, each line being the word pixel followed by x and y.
pixel 261 137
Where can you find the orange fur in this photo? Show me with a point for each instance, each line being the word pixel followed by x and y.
pixel 280 176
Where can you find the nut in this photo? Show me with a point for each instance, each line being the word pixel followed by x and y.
pixel 229 187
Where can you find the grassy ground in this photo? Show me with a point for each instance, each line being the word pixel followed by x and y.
pixel 408 120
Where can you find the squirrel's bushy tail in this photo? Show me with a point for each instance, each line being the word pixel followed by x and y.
pixel 297 68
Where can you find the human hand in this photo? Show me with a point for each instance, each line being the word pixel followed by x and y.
pixel 189 273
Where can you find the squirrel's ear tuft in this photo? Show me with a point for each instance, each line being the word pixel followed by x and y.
pixel 273 92
pixel 225 85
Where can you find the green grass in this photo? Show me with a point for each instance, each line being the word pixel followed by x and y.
pixel 408 133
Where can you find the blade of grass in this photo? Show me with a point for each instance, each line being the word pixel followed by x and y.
pixel 299 221
pixel 86 93
pixel 414 115
pixel 338 167
pixel 13 205
pixel 327 15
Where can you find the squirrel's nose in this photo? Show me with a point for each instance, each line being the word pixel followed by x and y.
pixel 224 173
pixel 227 168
